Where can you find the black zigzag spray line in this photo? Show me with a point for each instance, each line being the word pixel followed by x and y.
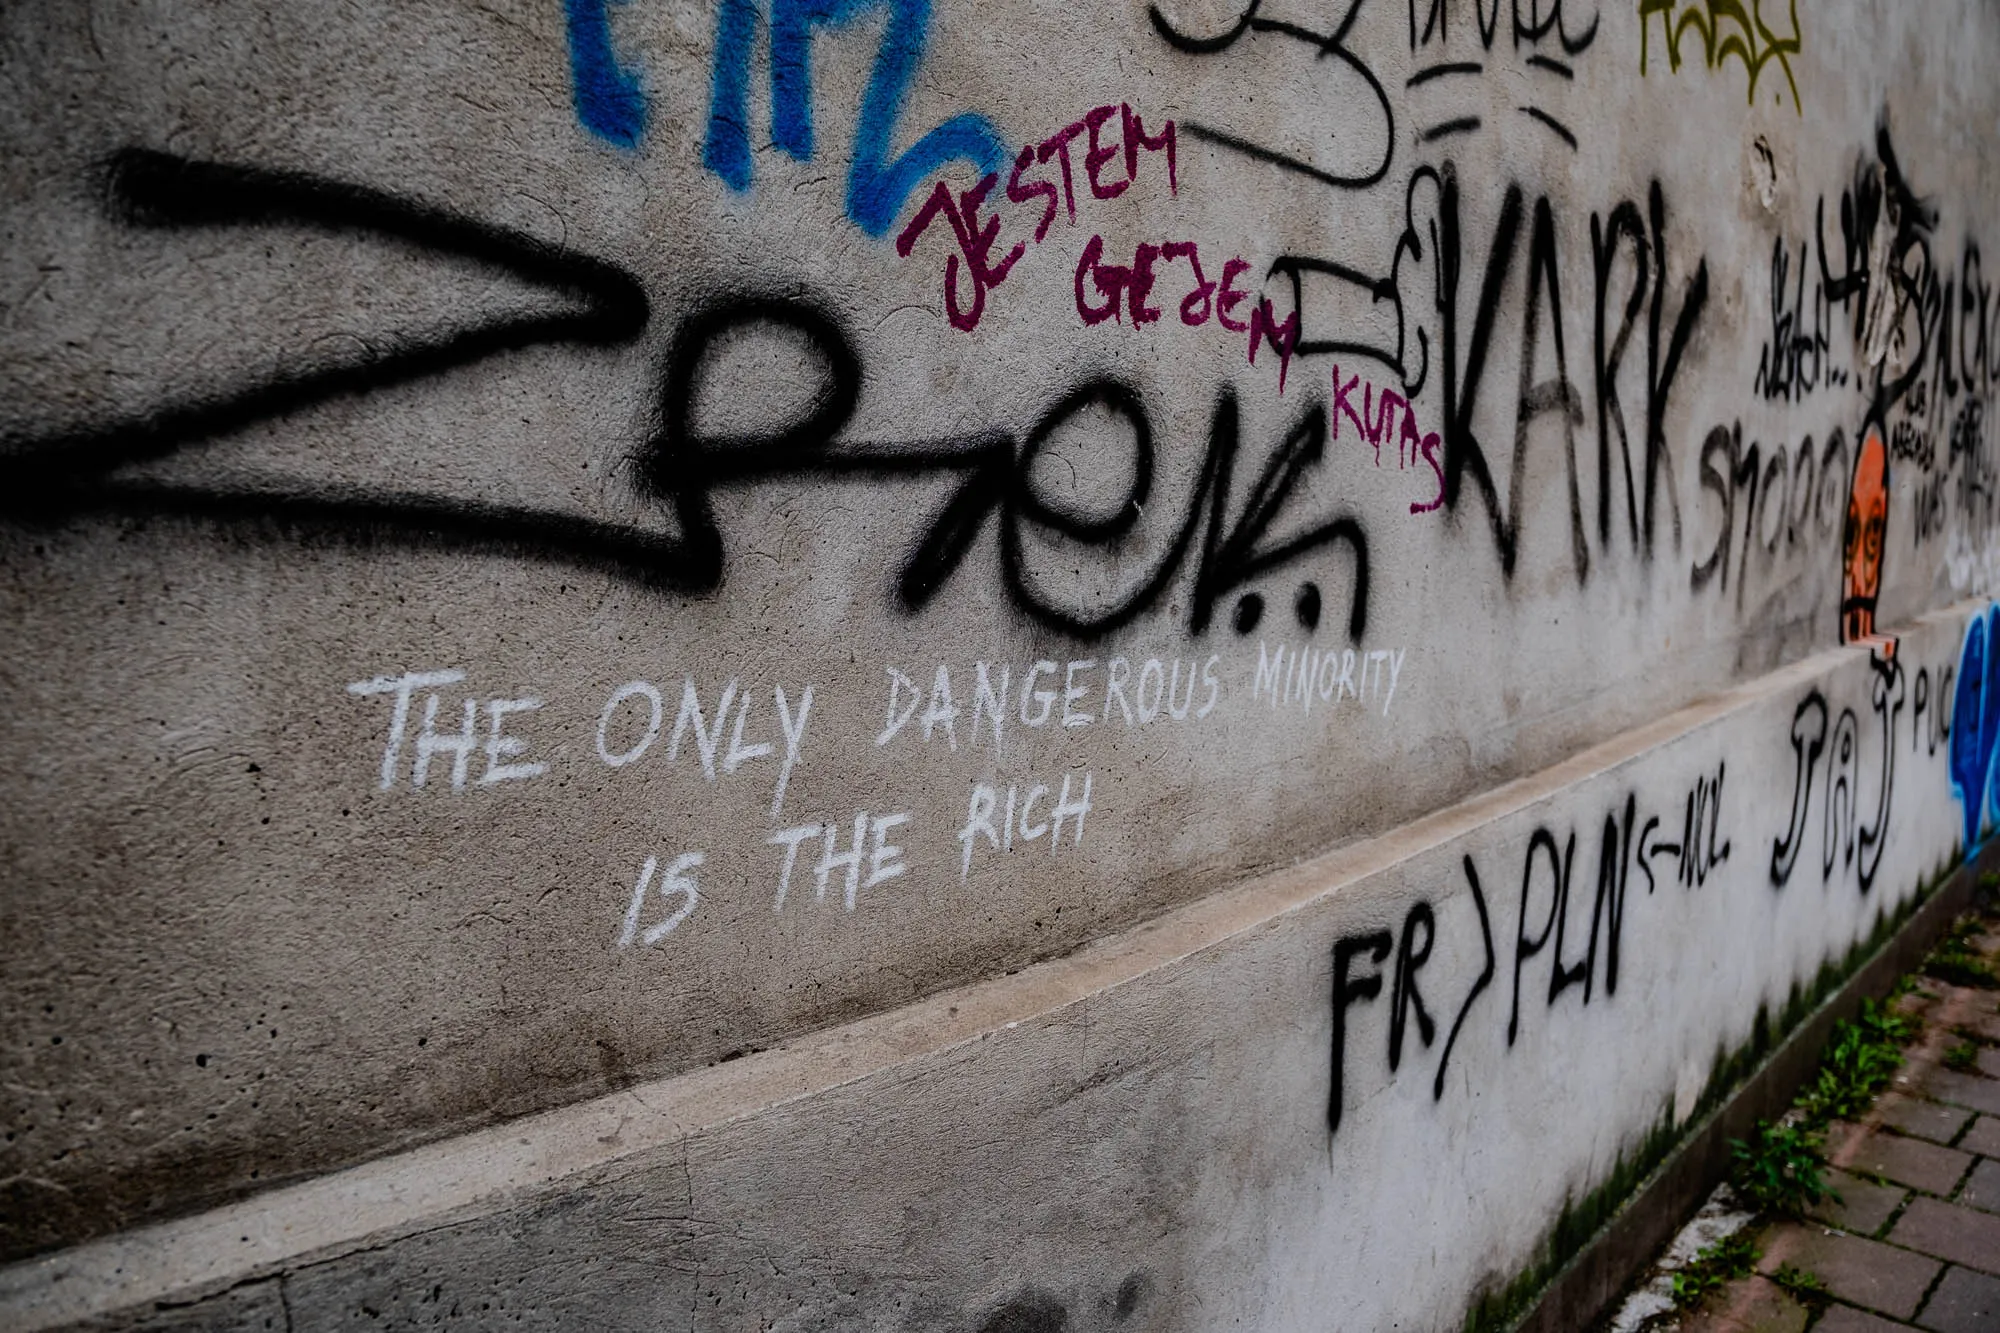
pixel 46 478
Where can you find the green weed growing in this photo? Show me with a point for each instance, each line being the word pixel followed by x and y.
pixel 1726 1260
pixel 1859 1060
pixel 1779 1169
pixel 1957 962
pixel 1802 1283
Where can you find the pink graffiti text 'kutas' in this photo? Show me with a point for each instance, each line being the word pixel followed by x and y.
pixel 1378 418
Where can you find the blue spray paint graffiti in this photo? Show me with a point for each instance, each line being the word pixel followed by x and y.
pixel 612 105
pixel 876 185
pixel 1975 727
pixel 609 101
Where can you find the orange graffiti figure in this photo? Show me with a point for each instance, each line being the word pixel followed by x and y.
pixel 1867 523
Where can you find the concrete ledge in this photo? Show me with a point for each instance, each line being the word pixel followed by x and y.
pixel 1105 1085
pixel 1586 1286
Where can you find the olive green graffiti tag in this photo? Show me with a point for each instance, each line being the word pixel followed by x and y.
pixel 1726 29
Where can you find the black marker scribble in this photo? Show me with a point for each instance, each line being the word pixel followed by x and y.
pixel 1333 44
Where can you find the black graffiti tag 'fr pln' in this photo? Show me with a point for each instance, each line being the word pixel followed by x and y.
pixel 1582 958
pixel 53 477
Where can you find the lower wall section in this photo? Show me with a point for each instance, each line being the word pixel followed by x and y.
pixel 1358 1094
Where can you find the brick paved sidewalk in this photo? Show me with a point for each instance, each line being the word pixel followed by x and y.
pixel 1915 1240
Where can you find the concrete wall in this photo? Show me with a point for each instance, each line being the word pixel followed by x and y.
pixel 1207 730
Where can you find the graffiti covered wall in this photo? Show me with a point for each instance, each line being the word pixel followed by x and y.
pixel 1072 663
